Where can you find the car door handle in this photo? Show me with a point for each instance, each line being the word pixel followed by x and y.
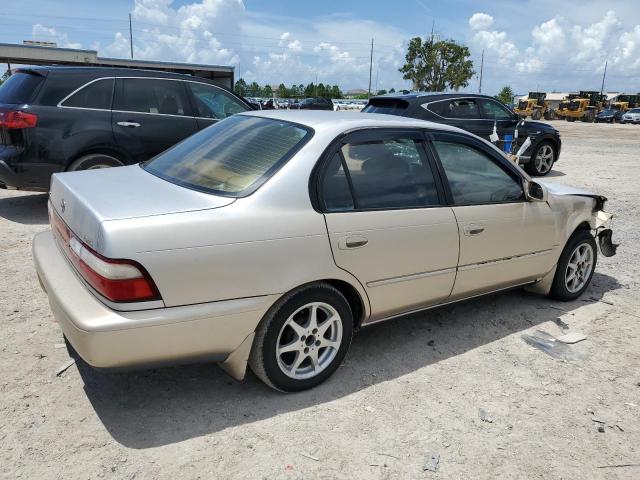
pixel 352 241
pixel 129 124
pixel 473 229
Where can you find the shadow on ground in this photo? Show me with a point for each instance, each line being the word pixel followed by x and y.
pixel 164 406
pixel 555 173
pixel 25 209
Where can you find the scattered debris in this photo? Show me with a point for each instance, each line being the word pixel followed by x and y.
pixel 601 429
pixel 485 416
pixel 431 343
pixel 597 421
pixel 369 409
pixel 310 456
pixel 629 404
pixel 431 462
pixel 573 337
pixel 40 356
pixel 620 465
pixel 619 427
pixel 387 455
pixel 59 345
pixel 591 411
pixel 551 346
pixel 65 366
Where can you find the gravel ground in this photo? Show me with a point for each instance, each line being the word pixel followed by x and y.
pixel 408 388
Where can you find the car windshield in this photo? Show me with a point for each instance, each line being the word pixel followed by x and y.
pixel 634 110
pixel 607 112
pixel 231 158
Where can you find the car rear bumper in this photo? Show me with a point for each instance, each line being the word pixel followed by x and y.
pixel 106 338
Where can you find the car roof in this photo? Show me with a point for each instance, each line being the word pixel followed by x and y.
pixel 420 97
pixel 343 121
pixel 115 71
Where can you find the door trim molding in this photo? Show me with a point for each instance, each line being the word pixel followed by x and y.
pixel 473 266
pixel 414 276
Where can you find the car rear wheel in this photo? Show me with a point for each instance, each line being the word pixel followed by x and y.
pixel 542 160
pixel 94 161
pixel 536 114
pixel 303 338
pixel 575 267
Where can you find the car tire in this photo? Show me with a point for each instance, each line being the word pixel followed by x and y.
pixel 536 114
pixel 571 119
pixel 542 159
pixel 575 267
pixel 94 161
pixel 290 351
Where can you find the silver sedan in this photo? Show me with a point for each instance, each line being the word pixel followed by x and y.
pixel 269 238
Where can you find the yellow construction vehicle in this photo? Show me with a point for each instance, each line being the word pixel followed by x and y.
pixel 624 102
pixel 585 107
pixel 563 106
pixel 535 106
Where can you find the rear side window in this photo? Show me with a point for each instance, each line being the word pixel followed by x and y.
pixel 458 108
pixel 389 174
pixel 21 87
pixel 145 95
pixel 214 102
pixel 392 106
pixel 336 193
pixel 97 94
pixel 232 157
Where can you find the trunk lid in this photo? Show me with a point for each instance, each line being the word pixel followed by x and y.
pixel 87 198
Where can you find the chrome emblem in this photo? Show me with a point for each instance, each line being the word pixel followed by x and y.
pixel 63 205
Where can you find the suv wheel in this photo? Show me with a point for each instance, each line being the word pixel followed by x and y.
pixel 94 161
pixel 575 267
pixel 303 338
pixel 542 159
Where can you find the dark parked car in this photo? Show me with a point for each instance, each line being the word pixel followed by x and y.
pixel 55 119
pixel 318 103
pixel 477 114
pixel 610 115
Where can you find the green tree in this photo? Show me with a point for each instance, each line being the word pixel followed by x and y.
pixel 437 65
pixel 505 95
pixel 254 89
pixel 240 87
pixel 393 90
pixel 335 92
pixel 282 91
pixel 381 92
pixel 267 91
pixel 310 90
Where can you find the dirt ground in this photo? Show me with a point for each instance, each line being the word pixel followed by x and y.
pixel 408 388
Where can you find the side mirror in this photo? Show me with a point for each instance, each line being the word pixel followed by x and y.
pixel 535 192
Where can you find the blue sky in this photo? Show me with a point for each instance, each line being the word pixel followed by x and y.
pixel 543 44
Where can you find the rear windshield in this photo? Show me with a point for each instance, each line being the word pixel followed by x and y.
pixel 231 158
pixel 392 106
pixel 20 87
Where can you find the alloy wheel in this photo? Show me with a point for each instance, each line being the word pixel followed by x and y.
pixel 309 340
pixel 544 159
pixel 579 268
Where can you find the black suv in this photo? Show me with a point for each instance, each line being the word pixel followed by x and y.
pixel 318 103
pixel 55 119
pixel 477 114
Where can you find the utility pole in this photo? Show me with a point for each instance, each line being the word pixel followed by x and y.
pixel 481 69
pixel 130 37
pixel 370 69
pixel 604 76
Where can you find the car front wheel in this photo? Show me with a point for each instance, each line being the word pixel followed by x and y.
pixel 542 160
pixel 303 338
pixel 575 267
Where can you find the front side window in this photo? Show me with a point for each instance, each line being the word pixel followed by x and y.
pixel 232 157
pixel 146 95
pixel 214 102
pixel 494 111
pixel 94 95
pixel 389 174
pixel 474 178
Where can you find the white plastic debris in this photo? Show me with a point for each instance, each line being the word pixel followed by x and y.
pixel 573 337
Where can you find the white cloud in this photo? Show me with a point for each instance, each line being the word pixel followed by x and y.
pixel 295 46
pixel 480 21
pixel 42 33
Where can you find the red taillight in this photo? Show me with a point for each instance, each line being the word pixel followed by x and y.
pixel 116 280
pixel 13 119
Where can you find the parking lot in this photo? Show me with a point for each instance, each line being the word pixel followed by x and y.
pixel 427 376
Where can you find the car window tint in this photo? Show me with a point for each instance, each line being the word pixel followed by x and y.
pixel 20 87
pixel 494 110
pixel 214 102
pixel 442 108
pixel 463 108
pixel 231 156
pixel 336 194
pixel 390 174
pixel 95 95
pixel 151 96
pixel 474 177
